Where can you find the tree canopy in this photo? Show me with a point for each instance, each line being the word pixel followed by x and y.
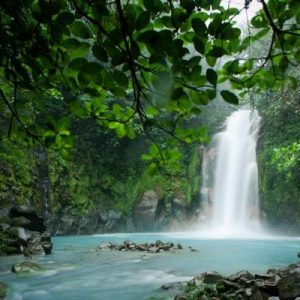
pixel 135 66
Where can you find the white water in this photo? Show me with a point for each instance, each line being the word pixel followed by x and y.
pixel 235 202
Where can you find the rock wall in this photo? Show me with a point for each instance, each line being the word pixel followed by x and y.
pixel 151 212
pixel 22 231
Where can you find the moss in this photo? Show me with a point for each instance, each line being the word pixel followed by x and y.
pixel 8 243
pixel 3 290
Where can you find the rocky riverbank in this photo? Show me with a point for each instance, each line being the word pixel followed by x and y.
pixel 22 231
pixel 276 284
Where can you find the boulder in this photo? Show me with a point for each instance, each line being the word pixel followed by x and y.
pixel 145 211
pixel 38 244
pixel 210 277
pixel 289 285
pixel 283 284
pixel 241 276
pixel 26 267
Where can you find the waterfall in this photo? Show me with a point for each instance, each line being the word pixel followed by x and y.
pixel 234 204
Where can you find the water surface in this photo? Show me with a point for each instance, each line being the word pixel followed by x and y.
pixel 76 271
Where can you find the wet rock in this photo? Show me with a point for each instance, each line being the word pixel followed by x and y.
pixel 26 267
pixel 289 285
pixel 210 277
pixel 127 245
pixel 298 254
pixel 283 284
pixel 229 285
pixel 172 285
pixel 153 249
pixel 179 246
pixel 105 246
pixel 241 276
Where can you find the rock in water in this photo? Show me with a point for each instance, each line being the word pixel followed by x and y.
pixel 127 245
pixel 26 267
pixel 283 284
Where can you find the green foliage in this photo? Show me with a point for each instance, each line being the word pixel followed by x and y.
pixel 8 243
pixel 140 70
pixel 17 176
pixel 106 62
pixel 287 158
pixel 278 157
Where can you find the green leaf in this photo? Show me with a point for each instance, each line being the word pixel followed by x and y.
pixel 177 93
pixel 189 5
pixel 230 97
pixel 230 33
pixel 211 60
pixel 100 53
pixel 131 133
pixel 121 78
pixel 142 20
pixel 150 37
pixel 199 45
pixel 215 25
pixel 259 21
pixel 217 52
pixel 77 63
pixel 81 30
pixel 72 44
pixel 199 27
pixel 121 131
pixel 153 6
pixel 152 169
pixel 154 151
pixel 65 18
pixel 211 76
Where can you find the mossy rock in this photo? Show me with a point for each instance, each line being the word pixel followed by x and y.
pixel 3 290
pixel 26 267
pixel 9 243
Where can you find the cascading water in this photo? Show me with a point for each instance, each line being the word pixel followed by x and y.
pixel 234 203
